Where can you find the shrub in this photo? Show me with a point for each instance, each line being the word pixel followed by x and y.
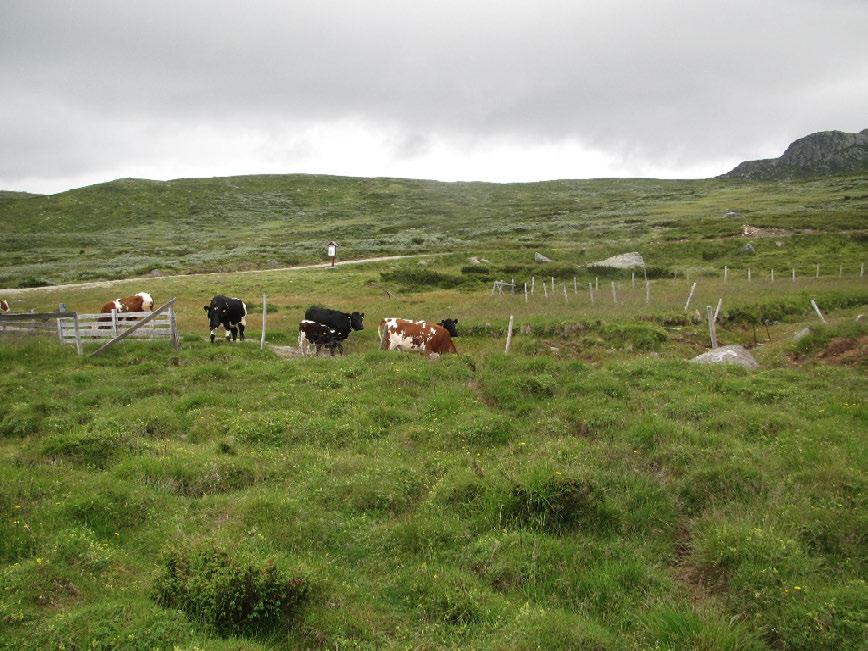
pixel 421 278
pixel 228 589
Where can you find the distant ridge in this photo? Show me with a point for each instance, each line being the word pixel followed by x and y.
pixel 824 153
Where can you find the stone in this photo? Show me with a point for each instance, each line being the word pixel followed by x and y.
pixel 733 354
pixel 539 257
pixel 801 334
pixel 748 248
pixel 730 213
pixel 156 273
pixel 623 261
pixel 473 260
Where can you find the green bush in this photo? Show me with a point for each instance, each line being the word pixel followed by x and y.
pixel 229 589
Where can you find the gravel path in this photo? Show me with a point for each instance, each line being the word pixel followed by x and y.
pixel 111 283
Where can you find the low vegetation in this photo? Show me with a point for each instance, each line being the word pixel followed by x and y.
pixel 592 489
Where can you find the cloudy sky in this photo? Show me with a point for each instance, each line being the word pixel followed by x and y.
pixel 452 90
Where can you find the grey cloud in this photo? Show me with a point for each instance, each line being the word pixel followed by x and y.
pixel 89 84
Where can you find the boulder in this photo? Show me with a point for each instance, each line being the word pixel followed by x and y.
pixel 801 334
pixel 473 260
pixel 539 257
pixel 623 261
pixel 730 213
pixel 734 354
pixel 156 273
pixel 748 248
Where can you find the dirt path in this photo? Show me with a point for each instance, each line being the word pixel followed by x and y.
pixel 111 283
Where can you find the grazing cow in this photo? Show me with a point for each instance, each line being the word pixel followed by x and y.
pixel 312 334
pixel 4 306
pixel 231 313
pixel 417 336
pixel 341 322
pixel 141 302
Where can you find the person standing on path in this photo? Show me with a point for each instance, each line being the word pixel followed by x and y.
pixel 333 251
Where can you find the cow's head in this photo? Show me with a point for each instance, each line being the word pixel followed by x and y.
pixel 147 301
pixel 450 325
pixel 215 314
pixel 356 320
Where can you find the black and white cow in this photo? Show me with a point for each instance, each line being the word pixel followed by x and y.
pixel 341 322
pixel 231 313
pixel 312 334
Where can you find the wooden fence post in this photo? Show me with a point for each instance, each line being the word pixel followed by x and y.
pixel 508 335
pixel 525 292
pixel 817 310
pixel 78 348
pixel 545 291
pixel 725 273
pixel 773 275
pixel 690 296
pixel 173 327
pixel 264 321
pixel 575 286
pixel 596 283
pixel 632 280
pixel 513 285
pixel 566 300
pixel 818 271
pixel 794 274
pixel 614 293
pixel 647 292
pixel 717 309
pixel 840 270
pixel 591 292
pixel 553 284
pixel 60 308
pixel 114 323
pixel 862 270
pixel 711 330
pixel 748 274
pixel 532 283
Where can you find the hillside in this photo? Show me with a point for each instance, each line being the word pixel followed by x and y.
pixel 135 227
pixel 819 154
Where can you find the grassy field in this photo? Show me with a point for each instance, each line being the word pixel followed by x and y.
pixel 132 228
pixel 590 490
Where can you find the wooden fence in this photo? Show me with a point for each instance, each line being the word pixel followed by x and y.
pixel 78 329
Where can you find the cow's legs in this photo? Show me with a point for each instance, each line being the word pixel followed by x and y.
pixel 234 331
pixel 212 335
pixel 241 330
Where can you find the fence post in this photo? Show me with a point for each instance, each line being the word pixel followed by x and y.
pixel 647 292
pixel 553 284
pixel 862 270
pixel 114 323
pixel 525 292
pixel 532 283
pixel 773 275
pixel 513 285
pixel 717 309
pixel 711 331
pixel 545 291
pixel 690 296
pixel 794 274
pixel 632 280
pixel 508 335
pixel 614 293
pixel 725 273
pixel 818 271
pixel 596 283
pixel 78 349
pixel 173 326
pixel 493 287
pixel 60 308
pixel 264 319
pixel 576 287
pixel 748 274
pixel 566 300
pixel 591 292
pixel 840 270
pixel 817 310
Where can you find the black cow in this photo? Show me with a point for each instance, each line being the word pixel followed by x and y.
pixel 231 313
pixel 449 324
pixel 321 336
pixel 341 322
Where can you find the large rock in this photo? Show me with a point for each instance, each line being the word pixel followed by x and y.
pixel 624 261
pixel 734 354
pixel 539 257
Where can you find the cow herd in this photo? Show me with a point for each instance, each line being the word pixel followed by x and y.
pixel 321 328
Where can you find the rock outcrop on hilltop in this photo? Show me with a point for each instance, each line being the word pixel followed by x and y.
pixel 818 154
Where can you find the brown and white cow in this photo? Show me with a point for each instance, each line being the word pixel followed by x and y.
pixel 141 302
pixel 4 306
pixel 417 336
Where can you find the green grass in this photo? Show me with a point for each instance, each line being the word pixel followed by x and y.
pixel 592 489
pixel 132 227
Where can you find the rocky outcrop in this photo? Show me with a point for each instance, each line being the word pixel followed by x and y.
pixel 539 257
pixel 819 154
pixel 624 261
pixel 734 354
